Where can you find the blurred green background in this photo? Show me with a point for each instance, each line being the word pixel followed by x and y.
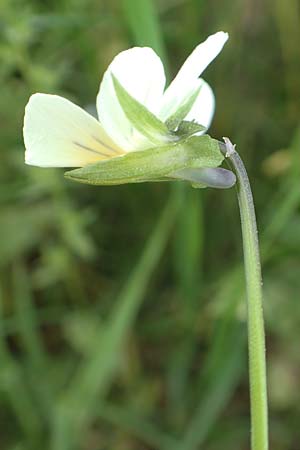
pixel 123 319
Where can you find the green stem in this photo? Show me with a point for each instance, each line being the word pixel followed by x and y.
pixel 256 335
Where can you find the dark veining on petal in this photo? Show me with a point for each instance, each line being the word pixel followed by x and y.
pixel 105 145
pixel 90 149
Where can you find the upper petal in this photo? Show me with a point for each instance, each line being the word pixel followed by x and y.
pixel 57 133
pixel 194 65
pixel 203 109
pixel 140 71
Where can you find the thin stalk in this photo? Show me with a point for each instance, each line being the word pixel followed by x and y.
pixel 256 334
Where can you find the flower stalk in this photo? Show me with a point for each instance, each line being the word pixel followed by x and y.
pixel 256 334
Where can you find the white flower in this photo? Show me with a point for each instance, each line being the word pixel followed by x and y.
pixel 57 133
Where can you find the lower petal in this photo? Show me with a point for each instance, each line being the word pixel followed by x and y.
pixel 211 177
pixel 57 133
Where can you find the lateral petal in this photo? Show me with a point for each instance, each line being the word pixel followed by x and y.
pixel 203 109
pixel 140 71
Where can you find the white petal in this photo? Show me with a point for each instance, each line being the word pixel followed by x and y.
pixel 195 64
pixel 141 73
pixel 204 107
pixel 57 133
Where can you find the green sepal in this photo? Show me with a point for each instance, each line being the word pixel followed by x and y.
pixel 198 185
pixel 151 164
pixel 141 118
pixel 184 108
pixel 187 129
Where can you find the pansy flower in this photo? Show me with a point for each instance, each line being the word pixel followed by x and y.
pixel 144 131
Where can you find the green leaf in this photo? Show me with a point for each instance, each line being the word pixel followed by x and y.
pixel 184 108
pixel 152 164
pixel 141 118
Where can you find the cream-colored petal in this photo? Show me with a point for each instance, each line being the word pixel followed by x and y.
pixel 203 109
pixel 57 133
pixel 194 65
pixel 141 73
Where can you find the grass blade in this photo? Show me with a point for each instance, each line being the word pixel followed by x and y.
pixel 142 20
pixel 95 375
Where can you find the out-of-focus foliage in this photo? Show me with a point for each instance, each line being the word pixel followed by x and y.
pixel 122 308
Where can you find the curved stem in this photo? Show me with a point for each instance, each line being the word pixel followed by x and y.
pixel 256 334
